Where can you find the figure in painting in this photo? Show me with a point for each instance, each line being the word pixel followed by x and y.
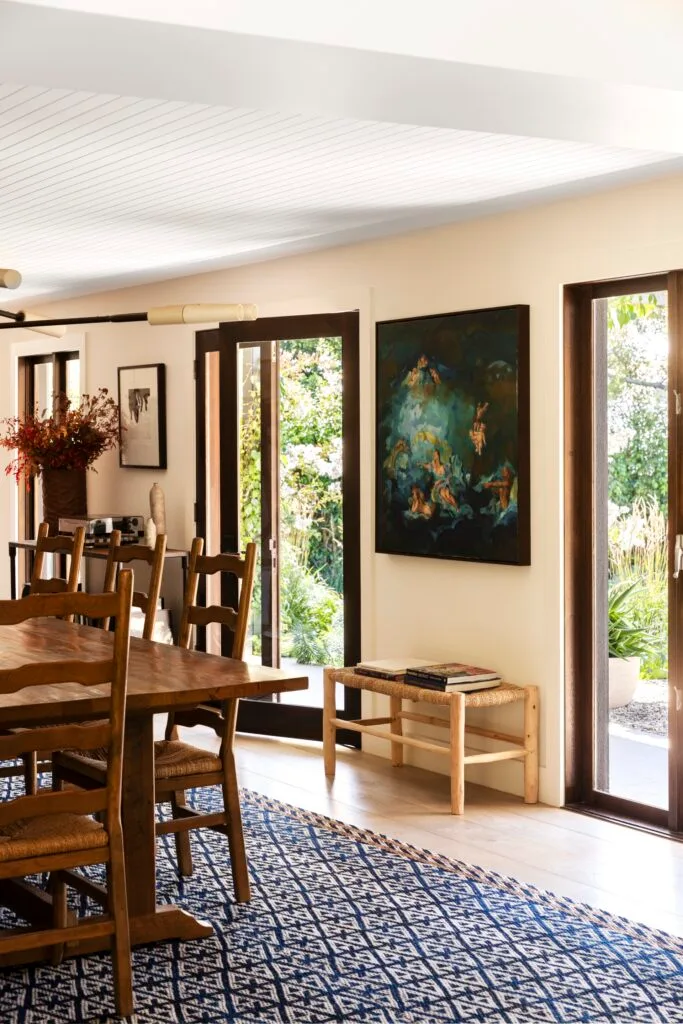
pixel 502 487
pixel 423 373
pixel 419 506
pixel 442 494
pixel 478 430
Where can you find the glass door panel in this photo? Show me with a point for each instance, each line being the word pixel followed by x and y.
pixel 272 428
pixel 631 727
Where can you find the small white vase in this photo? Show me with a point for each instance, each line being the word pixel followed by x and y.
pixel 157 506
pixel 150 533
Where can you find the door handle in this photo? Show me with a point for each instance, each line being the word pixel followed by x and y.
pixel 678 556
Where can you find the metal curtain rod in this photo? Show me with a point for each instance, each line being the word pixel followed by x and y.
pixel 18 320
pixel 157 316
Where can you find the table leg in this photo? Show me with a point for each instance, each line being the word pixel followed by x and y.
pixel 148 922
pixel 396 726
pixel 457 753
pixel 531 745
pixel 137 812
pixel 13 572
pixel 329 730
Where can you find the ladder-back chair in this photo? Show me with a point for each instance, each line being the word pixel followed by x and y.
pixel 71 547
pixel 179 766
pixel 123 554
pixel 54 832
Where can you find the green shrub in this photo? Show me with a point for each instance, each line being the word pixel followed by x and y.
pixel 310 614
pixel 638 550
pixel 625 637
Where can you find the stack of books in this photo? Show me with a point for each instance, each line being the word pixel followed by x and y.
pixel 421 672
pixel 452 676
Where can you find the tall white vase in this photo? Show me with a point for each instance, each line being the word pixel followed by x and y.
pixel 157 506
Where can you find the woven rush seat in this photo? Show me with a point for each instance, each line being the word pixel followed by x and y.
pixel 495 696
pixel 173 759
pixel 54 833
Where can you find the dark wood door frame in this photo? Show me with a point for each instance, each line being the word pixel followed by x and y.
pixel 263 717
pixel 581 370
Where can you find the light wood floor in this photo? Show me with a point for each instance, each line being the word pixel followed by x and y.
pixel 610 866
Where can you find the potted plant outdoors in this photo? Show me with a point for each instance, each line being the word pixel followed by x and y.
pixel 627 640
pixel 60 448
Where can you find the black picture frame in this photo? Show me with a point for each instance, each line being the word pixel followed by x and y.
pixel 142 416
pixel 452 455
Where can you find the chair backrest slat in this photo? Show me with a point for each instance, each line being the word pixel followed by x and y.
pixel 210 564
pixel 123 554
pixel 71 546
pixel 87 673
pixel 111 669
pixel 71 801
pixel 55 737
pixel 236 619
pixel 43 605
pixel 199 616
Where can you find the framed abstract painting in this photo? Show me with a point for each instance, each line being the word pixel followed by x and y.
pixel 452 455
pixel 142 416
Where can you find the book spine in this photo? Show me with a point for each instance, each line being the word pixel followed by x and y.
pixel 417 675
pixel 426 683
pixel 378 674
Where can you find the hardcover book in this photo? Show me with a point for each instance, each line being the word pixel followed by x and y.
pixel 389 668
pixel 452 672
pixel 463 686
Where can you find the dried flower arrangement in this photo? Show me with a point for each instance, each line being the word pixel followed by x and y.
pixel 70 437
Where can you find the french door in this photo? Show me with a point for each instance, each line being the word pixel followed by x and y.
pixel 624 548
pixel 278 464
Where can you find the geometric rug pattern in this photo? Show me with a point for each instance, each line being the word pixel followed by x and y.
pixel 346 925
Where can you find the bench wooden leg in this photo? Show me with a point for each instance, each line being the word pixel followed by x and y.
pixel 329 730
pixel 396 726
pixel 531 745
pixel 458 753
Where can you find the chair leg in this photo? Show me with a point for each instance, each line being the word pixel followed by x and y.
pixel 59 912
pixel 231 799
pixel 30 773
pixel 182 839
pixel 120 945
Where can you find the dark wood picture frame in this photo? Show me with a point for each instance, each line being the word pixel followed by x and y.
pixel 453 436
pixel 153 405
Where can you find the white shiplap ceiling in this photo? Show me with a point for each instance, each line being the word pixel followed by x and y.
pixel 102 190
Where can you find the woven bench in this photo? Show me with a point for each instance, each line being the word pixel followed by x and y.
pixel 523 748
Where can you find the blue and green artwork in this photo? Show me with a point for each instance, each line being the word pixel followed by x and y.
pixel 453 436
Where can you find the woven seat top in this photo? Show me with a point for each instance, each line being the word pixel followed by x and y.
pixel 173 759
pixel 53 833
pixel 504 693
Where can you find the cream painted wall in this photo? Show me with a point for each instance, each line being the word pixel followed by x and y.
pixel 507 617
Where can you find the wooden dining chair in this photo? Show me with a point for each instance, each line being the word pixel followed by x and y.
pixel 71 547
pixel 124 554
pixel 179 766
pixel 54 832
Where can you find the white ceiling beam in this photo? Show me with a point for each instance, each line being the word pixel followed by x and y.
pixel 633 41
pixel 82 51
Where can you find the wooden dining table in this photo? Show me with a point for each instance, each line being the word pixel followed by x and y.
pixel 161 678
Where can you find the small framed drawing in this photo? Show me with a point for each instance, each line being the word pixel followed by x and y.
pixel 142 416
pixel 452 436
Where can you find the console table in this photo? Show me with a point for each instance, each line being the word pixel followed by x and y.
pixel 99 552
pixel 523 747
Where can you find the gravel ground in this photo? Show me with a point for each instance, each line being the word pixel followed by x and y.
pixel 648 711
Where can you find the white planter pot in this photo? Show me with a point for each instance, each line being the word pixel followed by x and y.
pixel 624 674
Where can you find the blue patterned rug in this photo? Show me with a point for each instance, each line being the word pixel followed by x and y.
pixel 346 925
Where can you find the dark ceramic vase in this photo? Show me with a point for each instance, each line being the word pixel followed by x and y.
pixel 64 495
